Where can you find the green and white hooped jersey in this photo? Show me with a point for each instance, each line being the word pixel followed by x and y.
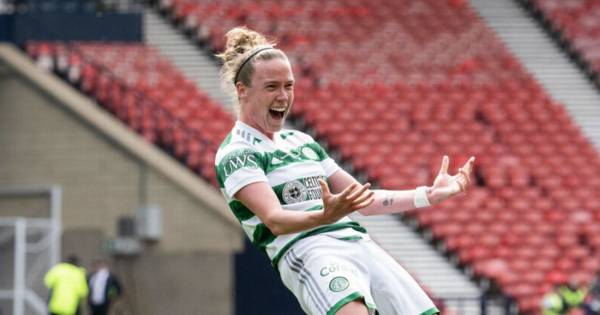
pixel 291 164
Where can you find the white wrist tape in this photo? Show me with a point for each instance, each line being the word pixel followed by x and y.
pixel 421 199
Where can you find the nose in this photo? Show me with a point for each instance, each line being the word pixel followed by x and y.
pixel 282 95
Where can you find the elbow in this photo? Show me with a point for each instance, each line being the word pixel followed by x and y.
pixel 276 230
pixel 273 226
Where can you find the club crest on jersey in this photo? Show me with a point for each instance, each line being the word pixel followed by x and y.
pixel 294 192
pixel 310 153
pixel 302 189
pixel 338 284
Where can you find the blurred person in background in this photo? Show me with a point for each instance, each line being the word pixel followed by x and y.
pixel 104 286
pixel 592 302
pixel 68 287
pixel 293 200
pixel 573 294
pixel 552 302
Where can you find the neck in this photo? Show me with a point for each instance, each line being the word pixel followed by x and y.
pixel 267 134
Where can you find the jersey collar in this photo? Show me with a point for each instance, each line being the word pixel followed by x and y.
pixel 249 133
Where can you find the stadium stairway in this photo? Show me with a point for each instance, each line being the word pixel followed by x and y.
pixel 432 270
pixel 540 55
pixel 187 57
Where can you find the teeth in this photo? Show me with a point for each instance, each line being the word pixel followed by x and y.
pixel 278 109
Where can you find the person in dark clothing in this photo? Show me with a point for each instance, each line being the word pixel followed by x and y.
pixel 592 304
pixel 104 288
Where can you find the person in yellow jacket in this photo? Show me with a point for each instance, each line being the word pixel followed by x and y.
pixel 552 303
pixel 573 294
pixel 68 287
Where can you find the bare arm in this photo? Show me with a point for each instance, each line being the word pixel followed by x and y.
pixel 262 201
pixel 394 201
pixel 385 201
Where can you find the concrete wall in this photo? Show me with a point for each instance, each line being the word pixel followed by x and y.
pixel 184 278
pixel 41 142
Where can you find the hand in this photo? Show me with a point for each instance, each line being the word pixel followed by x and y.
pixel 446 186
pixel 336 206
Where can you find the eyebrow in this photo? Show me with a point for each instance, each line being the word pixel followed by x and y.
pixel 277 82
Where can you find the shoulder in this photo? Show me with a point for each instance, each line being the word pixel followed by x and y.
pixel 237 139
pixel 290 134
pixel 237 155
pixel 235 147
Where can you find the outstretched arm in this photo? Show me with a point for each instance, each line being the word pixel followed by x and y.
pixel 394 201
pixel 262 201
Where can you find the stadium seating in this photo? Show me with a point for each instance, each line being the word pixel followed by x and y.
pixel 145 91
pixel 394 85
pixel 578 24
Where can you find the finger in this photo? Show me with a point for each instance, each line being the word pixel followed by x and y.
pixel 324 188
pixel 360 191
pixel 445 162
pixel 344 194
pixel 364 204
pixel 468 167
pixel 463 174
pixel 461 185
pixel 362 198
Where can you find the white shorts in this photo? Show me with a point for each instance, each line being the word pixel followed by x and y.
pixel 326 273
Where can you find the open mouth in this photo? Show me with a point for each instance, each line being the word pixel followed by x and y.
pixel 277 113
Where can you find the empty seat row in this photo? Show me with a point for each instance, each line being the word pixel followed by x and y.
pixel 145 91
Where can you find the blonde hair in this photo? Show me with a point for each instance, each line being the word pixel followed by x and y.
pixel 243 48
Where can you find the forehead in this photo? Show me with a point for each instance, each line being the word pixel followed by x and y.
pixel 277 69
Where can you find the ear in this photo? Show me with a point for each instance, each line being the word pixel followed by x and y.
pixel 241 90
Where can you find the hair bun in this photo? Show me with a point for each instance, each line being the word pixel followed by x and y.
pixel 241 40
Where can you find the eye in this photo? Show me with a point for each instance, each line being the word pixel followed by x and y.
pixel 271 87
pixel 289 86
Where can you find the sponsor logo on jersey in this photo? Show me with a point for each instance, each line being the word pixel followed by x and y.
pixel 301 153
pixel 333 268
pixel 291 156
pixel 338 284
pixel 237 160
pixel 304 189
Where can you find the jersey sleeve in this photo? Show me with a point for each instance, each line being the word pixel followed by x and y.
pixel 238 168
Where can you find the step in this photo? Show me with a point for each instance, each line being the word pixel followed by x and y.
pixel 545 60
pixel 186 56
